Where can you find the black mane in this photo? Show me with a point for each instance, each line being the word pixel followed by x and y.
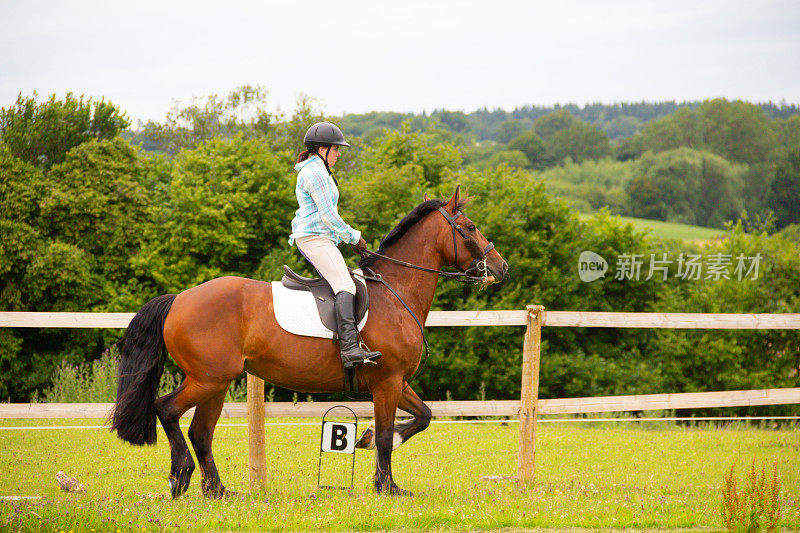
pixel 403 226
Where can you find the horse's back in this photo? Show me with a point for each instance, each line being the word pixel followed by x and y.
pixel 207 325
pixel 226 325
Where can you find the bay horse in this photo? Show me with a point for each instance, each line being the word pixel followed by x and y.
pixel 217 329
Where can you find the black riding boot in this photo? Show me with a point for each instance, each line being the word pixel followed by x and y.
pixel 352 353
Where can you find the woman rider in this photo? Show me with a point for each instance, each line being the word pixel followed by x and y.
pixel 317 228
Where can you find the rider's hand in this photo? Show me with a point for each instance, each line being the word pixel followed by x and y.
pixel 360 246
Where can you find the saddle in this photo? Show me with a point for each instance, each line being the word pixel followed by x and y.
pixel 323 295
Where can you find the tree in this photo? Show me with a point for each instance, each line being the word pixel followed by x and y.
pixel 567 137
pixel 787 132
pixel 510 129
pixel 784 198
pixel 395 170
pixel 687 186
pixel 43 133
pixel 509 158
pixel 229 204
pixel 95 200
pixel 738 131
pixel 455 120
pixel 622 126
pixel 768 282
pixel 395 149
pixel 532 146
pixel 68 234
pixel 241 111
pixel 579 142
pixel 552 123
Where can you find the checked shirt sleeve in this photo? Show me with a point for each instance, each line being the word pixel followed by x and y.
pixel 319 188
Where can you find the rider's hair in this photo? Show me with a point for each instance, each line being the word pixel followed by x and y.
pixel 305 154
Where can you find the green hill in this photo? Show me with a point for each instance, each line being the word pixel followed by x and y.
pixel 671 230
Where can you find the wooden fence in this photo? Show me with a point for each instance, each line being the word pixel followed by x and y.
pixel 528 407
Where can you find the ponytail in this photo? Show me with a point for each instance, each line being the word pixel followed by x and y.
pixel 305 154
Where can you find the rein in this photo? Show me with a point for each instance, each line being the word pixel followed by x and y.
pixel 371 275
pixel 464 277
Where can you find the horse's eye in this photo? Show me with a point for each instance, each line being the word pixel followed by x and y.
pixel 471 227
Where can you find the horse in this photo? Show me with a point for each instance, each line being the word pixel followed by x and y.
pixel 227 325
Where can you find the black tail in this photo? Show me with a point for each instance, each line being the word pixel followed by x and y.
pixel 142 355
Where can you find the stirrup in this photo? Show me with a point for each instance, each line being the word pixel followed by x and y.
pixel 366 361
pixel 370 360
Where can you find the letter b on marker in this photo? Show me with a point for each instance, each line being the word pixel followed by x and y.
pixel 338 437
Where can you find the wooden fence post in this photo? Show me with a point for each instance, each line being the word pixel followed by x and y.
pixel 257 454
pixel 529 396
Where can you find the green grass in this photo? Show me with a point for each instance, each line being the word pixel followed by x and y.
pixel 671 230
pixel 601 475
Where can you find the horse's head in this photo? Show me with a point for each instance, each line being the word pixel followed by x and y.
pixel 463 246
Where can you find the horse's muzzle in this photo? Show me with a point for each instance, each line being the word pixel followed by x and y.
pixel 498 271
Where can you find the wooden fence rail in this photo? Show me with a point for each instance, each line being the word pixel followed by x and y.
pixel 588 319
pixel 468 408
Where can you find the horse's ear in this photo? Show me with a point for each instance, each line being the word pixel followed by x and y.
pixel 426 198
pixel 453 202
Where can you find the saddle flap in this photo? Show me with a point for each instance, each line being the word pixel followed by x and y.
pixel 324 297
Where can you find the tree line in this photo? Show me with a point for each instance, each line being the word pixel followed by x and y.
pixel 93 221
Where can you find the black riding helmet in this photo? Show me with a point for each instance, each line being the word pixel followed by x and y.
pixel 324 134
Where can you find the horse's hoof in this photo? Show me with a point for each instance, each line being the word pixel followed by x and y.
pixel 173 487
pixel 367 439
pixel 177 487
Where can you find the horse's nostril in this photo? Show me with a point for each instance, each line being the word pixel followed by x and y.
pixel 505 268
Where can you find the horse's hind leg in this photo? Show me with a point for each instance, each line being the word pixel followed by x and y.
pixel 201 433
pixel 169 409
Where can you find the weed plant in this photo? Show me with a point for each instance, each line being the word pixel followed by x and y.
pixel 756 505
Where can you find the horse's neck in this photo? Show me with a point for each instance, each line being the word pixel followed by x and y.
pixel 415 287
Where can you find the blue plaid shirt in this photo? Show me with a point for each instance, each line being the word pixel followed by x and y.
pixel 318 195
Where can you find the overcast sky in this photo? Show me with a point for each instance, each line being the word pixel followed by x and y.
pixel 402 56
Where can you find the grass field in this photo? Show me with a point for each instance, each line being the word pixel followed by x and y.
pixel 671 230
pixel 601 475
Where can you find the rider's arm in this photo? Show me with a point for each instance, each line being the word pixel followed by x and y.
pixel 320 187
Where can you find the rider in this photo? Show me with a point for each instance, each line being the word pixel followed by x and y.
pixel 317 228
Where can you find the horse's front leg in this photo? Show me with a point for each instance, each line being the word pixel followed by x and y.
pixel 413 405
pixel 385 399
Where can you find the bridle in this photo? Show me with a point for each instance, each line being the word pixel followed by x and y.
pixel 480 262
pixel 467 276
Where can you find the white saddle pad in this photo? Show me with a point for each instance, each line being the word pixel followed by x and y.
pixel 296 312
